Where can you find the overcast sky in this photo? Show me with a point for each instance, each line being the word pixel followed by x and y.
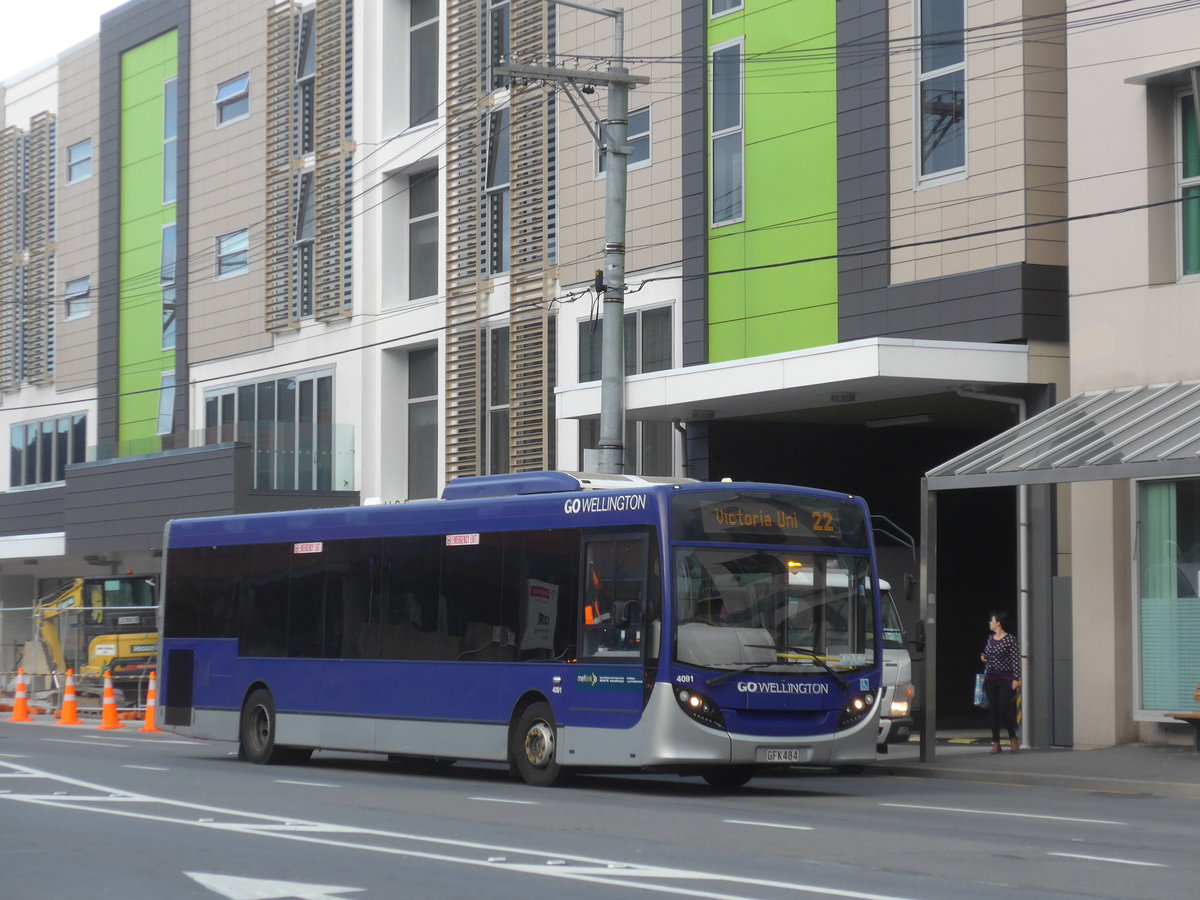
pixel 35 30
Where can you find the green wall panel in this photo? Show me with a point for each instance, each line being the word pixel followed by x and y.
pixel 790 194
pixel 144 71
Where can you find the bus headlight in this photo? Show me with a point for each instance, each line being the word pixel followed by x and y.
pixel 857 709
pixel 901 701
pixel 699 707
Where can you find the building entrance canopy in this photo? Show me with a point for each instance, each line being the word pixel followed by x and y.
pixel 1145 431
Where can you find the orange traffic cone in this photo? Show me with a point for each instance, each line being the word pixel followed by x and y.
pixel 151 704
pixel 108 712
pixel 70 711
pixel 20 711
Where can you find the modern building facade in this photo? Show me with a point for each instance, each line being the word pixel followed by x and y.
pixel 286 254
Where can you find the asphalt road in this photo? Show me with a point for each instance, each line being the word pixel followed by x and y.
pixel 126 815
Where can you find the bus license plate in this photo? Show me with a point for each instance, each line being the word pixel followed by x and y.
pixel 781 754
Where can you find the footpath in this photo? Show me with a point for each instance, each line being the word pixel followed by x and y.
pixel 1156 770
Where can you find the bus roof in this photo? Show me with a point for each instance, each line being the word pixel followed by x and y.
pixel 472 505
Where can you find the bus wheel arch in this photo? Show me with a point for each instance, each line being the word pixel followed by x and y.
pixel 256 731
pixel 533 743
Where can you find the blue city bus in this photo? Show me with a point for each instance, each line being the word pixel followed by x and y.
pixel 558 622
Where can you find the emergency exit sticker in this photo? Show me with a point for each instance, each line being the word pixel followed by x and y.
pixel 460 540
pixel 310 547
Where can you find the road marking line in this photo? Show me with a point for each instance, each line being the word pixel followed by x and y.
pixel 768 824
pixel 992 812
pixel 85 743
pixel 448 850
pixel 503 800
pixel 1111 859
pixel 147 768
pixel 306 783
pixel 13 756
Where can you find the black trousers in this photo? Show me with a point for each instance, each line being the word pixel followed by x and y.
pixel 1000 706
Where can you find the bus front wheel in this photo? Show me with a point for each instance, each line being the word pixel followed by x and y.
pixel 257 733
pixel 534 749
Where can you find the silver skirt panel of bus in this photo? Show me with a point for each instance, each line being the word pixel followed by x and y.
pixel 664 738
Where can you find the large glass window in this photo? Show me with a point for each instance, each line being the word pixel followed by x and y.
pixel 942 88
pixel 423 62
pixel 289 423
pixel 1189 186
pixel 1169 593
pixel 166 277
pixel 304 273
pixel 422 423
pixel 497 406
pixel 170 140
pixel 648 342
pixel 720 7
pixel 499 27
pixel 728 170
pixel 423 235
pixel 497 192
pixel 166 401
pixel 41 451
pixel 306 84
pixel 778 611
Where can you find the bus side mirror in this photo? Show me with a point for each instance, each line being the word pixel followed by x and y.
pixel 910 585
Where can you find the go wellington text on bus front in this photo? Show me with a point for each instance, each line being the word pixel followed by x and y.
pixel 559 622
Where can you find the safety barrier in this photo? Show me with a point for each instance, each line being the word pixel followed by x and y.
pixel 75 699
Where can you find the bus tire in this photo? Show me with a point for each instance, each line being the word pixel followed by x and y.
pixel 534 747
pixel 728 777
pixel 257 734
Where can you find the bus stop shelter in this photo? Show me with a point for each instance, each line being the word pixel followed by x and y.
pixel 1145 431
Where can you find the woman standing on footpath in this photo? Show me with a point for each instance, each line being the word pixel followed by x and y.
pixel 1002 678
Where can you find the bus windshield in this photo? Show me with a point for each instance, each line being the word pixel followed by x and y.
pixel 775 610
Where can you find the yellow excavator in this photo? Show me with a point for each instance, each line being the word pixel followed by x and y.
pixel 94 624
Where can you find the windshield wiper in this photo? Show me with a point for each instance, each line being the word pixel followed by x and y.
pixel 820 662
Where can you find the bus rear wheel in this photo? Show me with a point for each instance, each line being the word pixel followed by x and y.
pixel 257 733
pixel 534 748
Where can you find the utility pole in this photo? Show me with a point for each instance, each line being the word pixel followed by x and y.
pixel 610 135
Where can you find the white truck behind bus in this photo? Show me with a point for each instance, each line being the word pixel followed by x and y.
pixel 895 718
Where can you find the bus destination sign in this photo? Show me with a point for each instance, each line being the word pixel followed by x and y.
pixel 767 519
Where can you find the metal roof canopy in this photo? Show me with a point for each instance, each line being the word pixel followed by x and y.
pixel 1145 431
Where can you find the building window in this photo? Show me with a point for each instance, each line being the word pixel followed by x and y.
pixel 720 7
pixel 306 83
pixel 497 192
pixel 79 161
pixel 648 342
pixel 41 451
pixel 166 404
pixel 499 33
pixel 1189 186
pixel 77 298
pixel 233 253
pixel 1168 531
pixel 302 248
pixel 233 100
pixel 423 235
pixel 423 62
pixel 728 169
pixel 170 140
pixel 422 423
pixel 649 446
pixel 287 421
pixel 497 401
pixel 637 139
pixel 941 86
pixel 167 284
